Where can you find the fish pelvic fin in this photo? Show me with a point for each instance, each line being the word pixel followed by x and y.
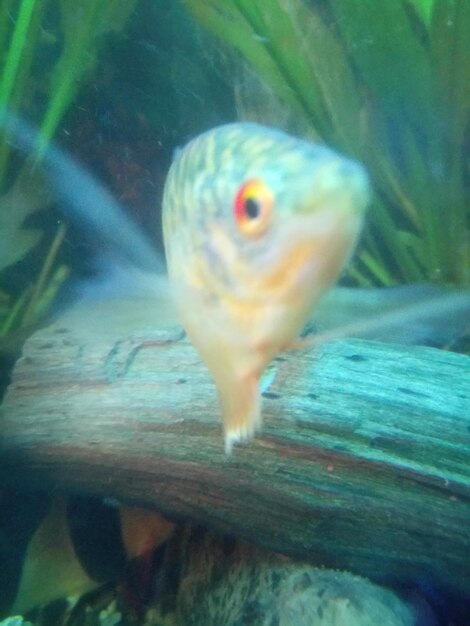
pixel 241 411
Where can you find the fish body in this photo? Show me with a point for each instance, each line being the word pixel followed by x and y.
pixel 69 546
pixel 257 226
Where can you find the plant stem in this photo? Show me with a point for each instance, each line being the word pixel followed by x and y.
pixel 44 275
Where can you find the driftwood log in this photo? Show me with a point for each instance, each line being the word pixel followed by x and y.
pixel 363 462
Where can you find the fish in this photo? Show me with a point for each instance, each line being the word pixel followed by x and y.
pixel 257 226
pixel 64 546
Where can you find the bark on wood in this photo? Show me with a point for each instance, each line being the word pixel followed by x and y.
pixel 363 462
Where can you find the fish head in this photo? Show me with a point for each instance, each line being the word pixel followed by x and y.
pixel 257 226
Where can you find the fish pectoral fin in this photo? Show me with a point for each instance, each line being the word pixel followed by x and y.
pixel 241 410
pixel 300 343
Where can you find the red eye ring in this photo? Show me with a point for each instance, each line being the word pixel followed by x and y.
pixel 253 207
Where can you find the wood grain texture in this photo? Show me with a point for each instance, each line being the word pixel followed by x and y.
pixel 363 463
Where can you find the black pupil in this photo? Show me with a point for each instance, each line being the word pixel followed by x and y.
pixel 252 208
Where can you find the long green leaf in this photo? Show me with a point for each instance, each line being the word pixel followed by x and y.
pixel 82 23
pixel 238 29
pixel 424 9
pixel 298 56
pixel 450 48
pixel 390 57
pixel 16 47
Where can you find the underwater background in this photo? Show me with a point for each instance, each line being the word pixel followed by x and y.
pixel 122 85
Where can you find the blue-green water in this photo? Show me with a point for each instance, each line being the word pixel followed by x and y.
pixel 122 88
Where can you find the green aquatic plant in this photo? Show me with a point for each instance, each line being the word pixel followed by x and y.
pixel 47 49
pixel 385 82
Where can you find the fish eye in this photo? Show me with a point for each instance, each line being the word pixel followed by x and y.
pixel 253 207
